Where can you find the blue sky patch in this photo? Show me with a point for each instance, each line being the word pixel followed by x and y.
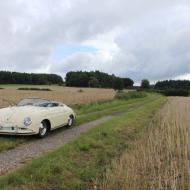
pixel 63 51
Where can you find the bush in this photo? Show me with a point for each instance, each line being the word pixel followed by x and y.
pixel 130 95
pixel 176 92
pixel 37 89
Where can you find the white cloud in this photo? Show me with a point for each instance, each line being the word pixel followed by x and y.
pixel 183 77
pixel 140 39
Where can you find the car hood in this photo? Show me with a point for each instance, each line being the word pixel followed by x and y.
pixel 18 113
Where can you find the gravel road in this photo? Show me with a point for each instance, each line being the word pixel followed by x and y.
pixel 16 157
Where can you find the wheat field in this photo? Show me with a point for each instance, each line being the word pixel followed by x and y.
pixel 161 159
pixel 66 95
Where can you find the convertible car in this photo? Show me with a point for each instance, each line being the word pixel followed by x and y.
pixel 35 116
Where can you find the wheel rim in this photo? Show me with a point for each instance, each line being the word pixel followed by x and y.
pixel 43 130
pixel 70 121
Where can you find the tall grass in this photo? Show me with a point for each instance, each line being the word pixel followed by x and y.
pixel 160 160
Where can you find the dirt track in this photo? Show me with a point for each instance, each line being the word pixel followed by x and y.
pixel 15 158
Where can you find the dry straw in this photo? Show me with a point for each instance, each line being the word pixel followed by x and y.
pixel 67 95
pixel 161 159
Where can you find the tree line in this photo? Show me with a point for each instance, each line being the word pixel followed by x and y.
pixel 96 79
pixel 172 84
pixel 7 77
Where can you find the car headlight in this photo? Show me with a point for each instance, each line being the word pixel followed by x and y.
pixel 27 121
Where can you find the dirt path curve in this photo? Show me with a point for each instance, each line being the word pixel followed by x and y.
pixel 16 157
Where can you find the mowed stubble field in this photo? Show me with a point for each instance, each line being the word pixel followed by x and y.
pixel 67 95
pixel 165 154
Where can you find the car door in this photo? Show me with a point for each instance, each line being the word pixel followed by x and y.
pixel 58 116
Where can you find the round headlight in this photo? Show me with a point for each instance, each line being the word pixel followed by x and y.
pixel 27 121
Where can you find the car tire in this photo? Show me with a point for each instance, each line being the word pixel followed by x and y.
pixel 43 131
pixel 70 121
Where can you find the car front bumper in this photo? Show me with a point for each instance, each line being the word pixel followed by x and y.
pixel 16 131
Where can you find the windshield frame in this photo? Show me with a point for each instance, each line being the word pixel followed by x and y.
pixel 33 101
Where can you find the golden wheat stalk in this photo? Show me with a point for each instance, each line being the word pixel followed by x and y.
pixel 160 160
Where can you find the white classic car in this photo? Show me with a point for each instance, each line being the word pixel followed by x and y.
pixel 35 116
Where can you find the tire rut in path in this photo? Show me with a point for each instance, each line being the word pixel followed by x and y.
pixel 16 157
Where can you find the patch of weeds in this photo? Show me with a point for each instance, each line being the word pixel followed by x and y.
pixel 35 89
pixel 80 90
pixel 56 169
pixel 83 146
pixel 130 95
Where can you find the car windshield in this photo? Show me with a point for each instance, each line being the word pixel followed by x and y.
pixel 34 102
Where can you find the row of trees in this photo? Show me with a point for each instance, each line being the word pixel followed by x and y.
pixel 173 84
pixel 97 79
pixel 166 85
pixel 7 77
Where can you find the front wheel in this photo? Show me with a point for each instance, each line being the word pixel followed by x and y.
pixel 43 131
pixel 70 121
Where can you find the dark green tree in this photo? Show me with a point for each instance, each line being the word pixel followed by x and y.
pixel 145 84
pixel 128 83
pixel 7 77
pixel 118 84
pixel 84 79
pixel 172 84
pixel 93 82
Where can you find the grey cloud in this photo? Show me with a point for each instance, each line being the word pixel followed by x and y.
pixel 153 42
pixel 160 50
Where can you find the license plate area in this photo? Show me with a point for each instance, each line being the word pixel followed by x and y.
pixel 8 128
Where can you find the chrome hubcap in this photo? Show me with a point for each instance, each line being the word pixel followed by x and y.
pixel 70 121
pixel 43 130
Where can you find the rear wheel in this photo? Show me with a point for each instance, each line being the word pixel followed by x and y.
pixel 43 131
pixel 70 121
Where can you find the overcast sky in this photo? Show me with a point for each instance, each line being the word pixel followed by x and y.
pixel 129 38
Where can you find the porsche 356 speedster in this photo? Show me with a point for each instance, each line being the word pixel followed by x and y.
pixel 35 116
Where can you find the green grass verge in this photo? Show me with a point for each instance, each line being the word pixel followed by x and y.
pixel 90 113
pixel 9 142
pixel 75 165
pixel 85 113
